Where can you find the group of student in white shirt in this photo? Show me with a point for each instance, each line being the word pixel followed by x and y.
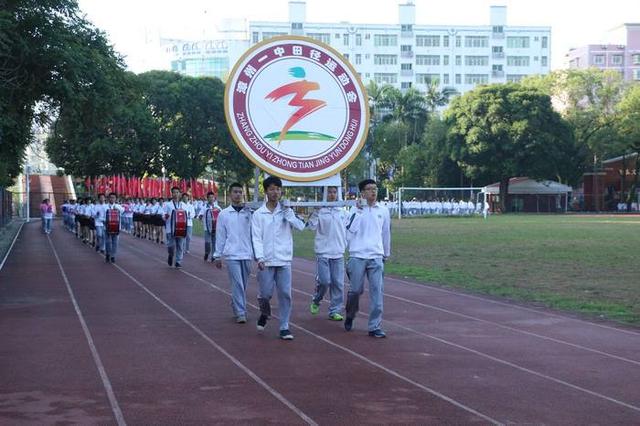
pixel 266 237
pixel 238 236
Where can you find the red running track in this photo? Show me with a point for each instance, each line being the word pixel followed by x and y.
pixel 139 343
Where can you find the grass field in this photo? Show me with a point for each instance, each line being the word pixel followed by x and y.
pixel 584 264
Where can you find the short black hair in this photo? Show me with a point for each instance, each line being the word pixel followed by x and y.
pixel 184 193
pixel 174 188
pixel 102 193
pixel 114 194
pixel 236 185
pixel 211 193
pixel 366 182
pixel 271 180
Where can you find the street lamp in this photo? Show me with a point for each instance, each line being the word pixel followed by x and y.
pixel 163 179
pixel 27 187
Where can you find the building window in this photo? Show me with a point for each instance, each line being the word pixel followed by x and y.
pixel 255 37
pixel 545 42
pixel 518 61
pixel 598 59
pixel 427 41
pixel 445 41
pixel 384 40
pixel 458 79
pixel 296 25
pixel 427 78
pixel 358 58
pixel 616 59
pixel 458 60
pixel 544 61
pixel 385 78
pixel 518 42
pixel 476 41
pixel 476 61
pixel 405 85
pixel 345 39
pixel 445 78
pixel 427 59
pixel 535 59
pixel 267 35
pixel 476 78
pixel 346 56
pixel 636 74
pixel 635 59
pixel 406 27
pixel 445 60
pixel 367 56
pixel 405 48
pixel 406 67
pixel 322 37
pixel 499 29
pixel 496 68
pixel 367 36
pixel 358 39
pixel 337 36
pixel 367 75
pixel 458 41
pixel 515 78
pixel 385 59
pixel 536 38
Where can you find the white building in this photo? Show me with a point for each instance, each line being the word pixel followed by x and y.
pixel 413 55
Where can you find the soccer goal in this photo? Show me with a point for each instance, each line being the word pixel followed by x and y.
pixel 454 201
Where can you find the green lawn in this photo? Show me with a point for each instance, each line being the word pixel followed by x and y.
pixel 575 263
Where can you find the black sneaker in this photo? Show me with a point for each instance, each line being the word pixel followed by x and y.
pixel 107 259
pixel 113 260
pixel 348 323
pixel 170 260
pixel 377 333
pixel 206 257
pixel 97 248
pixel 178 265
pixel 286 335
pixel 262 322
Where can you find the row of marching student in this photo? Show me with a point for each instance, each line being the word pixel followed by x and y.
pixel 238 236
pixel 266 237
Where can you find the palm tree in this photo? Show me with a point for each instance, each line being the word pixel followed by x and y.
pixel 434 97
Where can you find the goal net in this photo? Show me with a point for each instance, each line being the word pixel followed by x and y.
pixel 417 202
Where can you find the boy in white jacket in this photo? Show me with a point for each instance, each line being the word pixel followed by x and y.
pixel 273 248
pixel 369 238
pixel 233 243
pixel 330 243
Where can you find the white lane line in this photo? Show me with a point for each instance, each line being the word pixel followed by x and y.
pixel 505 362
pixel 353 353
pixel 10 247
pixel 427 286
pixel 506 327
pixel 115 407
pixel 233 359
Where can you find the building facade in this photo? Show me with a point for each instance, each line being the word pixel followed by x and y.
pixel 623 56
pixel 404 55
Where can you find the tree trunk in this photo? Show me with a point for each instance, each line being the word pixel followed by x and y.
pixel 504 193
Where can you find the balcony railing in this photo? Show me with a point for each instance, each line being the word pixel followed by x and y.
pixel 406 73
pixel 406 34
pixel 497 73
pixel 406 54
pixel 497 35
pixel 497 55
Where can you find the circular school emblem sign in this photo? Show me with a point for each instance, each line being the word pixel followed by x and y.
pixel 296 108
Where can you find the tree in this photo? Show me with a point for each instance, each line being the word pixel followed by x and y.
pixel 503 131
pixel 587 99
pixel 628 126
pixel 118 136
pixel 49 57
pixel 435 97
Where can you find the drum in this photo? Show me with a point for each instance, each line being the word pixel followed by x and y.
pixel 179 223
pixel 112 221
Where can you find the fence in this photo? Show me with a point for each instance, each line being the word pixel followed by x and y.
pixel 6 211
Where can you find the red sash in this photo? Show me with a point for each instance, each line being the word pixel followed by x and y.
pixel 112 221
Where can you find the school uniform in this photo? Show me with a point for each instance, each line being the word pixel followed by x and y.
pixel 273 245
pixel 330 243
pixel 175 245
pixel 191 212
pixel 233 244
pixel 209 213
pixel 111 240
pixel 99 214
pixel 369 241
pixel 46 212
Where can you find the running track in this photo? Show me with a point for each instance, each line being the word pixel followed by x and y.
pixel 139 343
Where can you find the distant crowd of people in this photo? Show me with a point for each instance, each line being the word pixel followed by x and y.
pixel 438 207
